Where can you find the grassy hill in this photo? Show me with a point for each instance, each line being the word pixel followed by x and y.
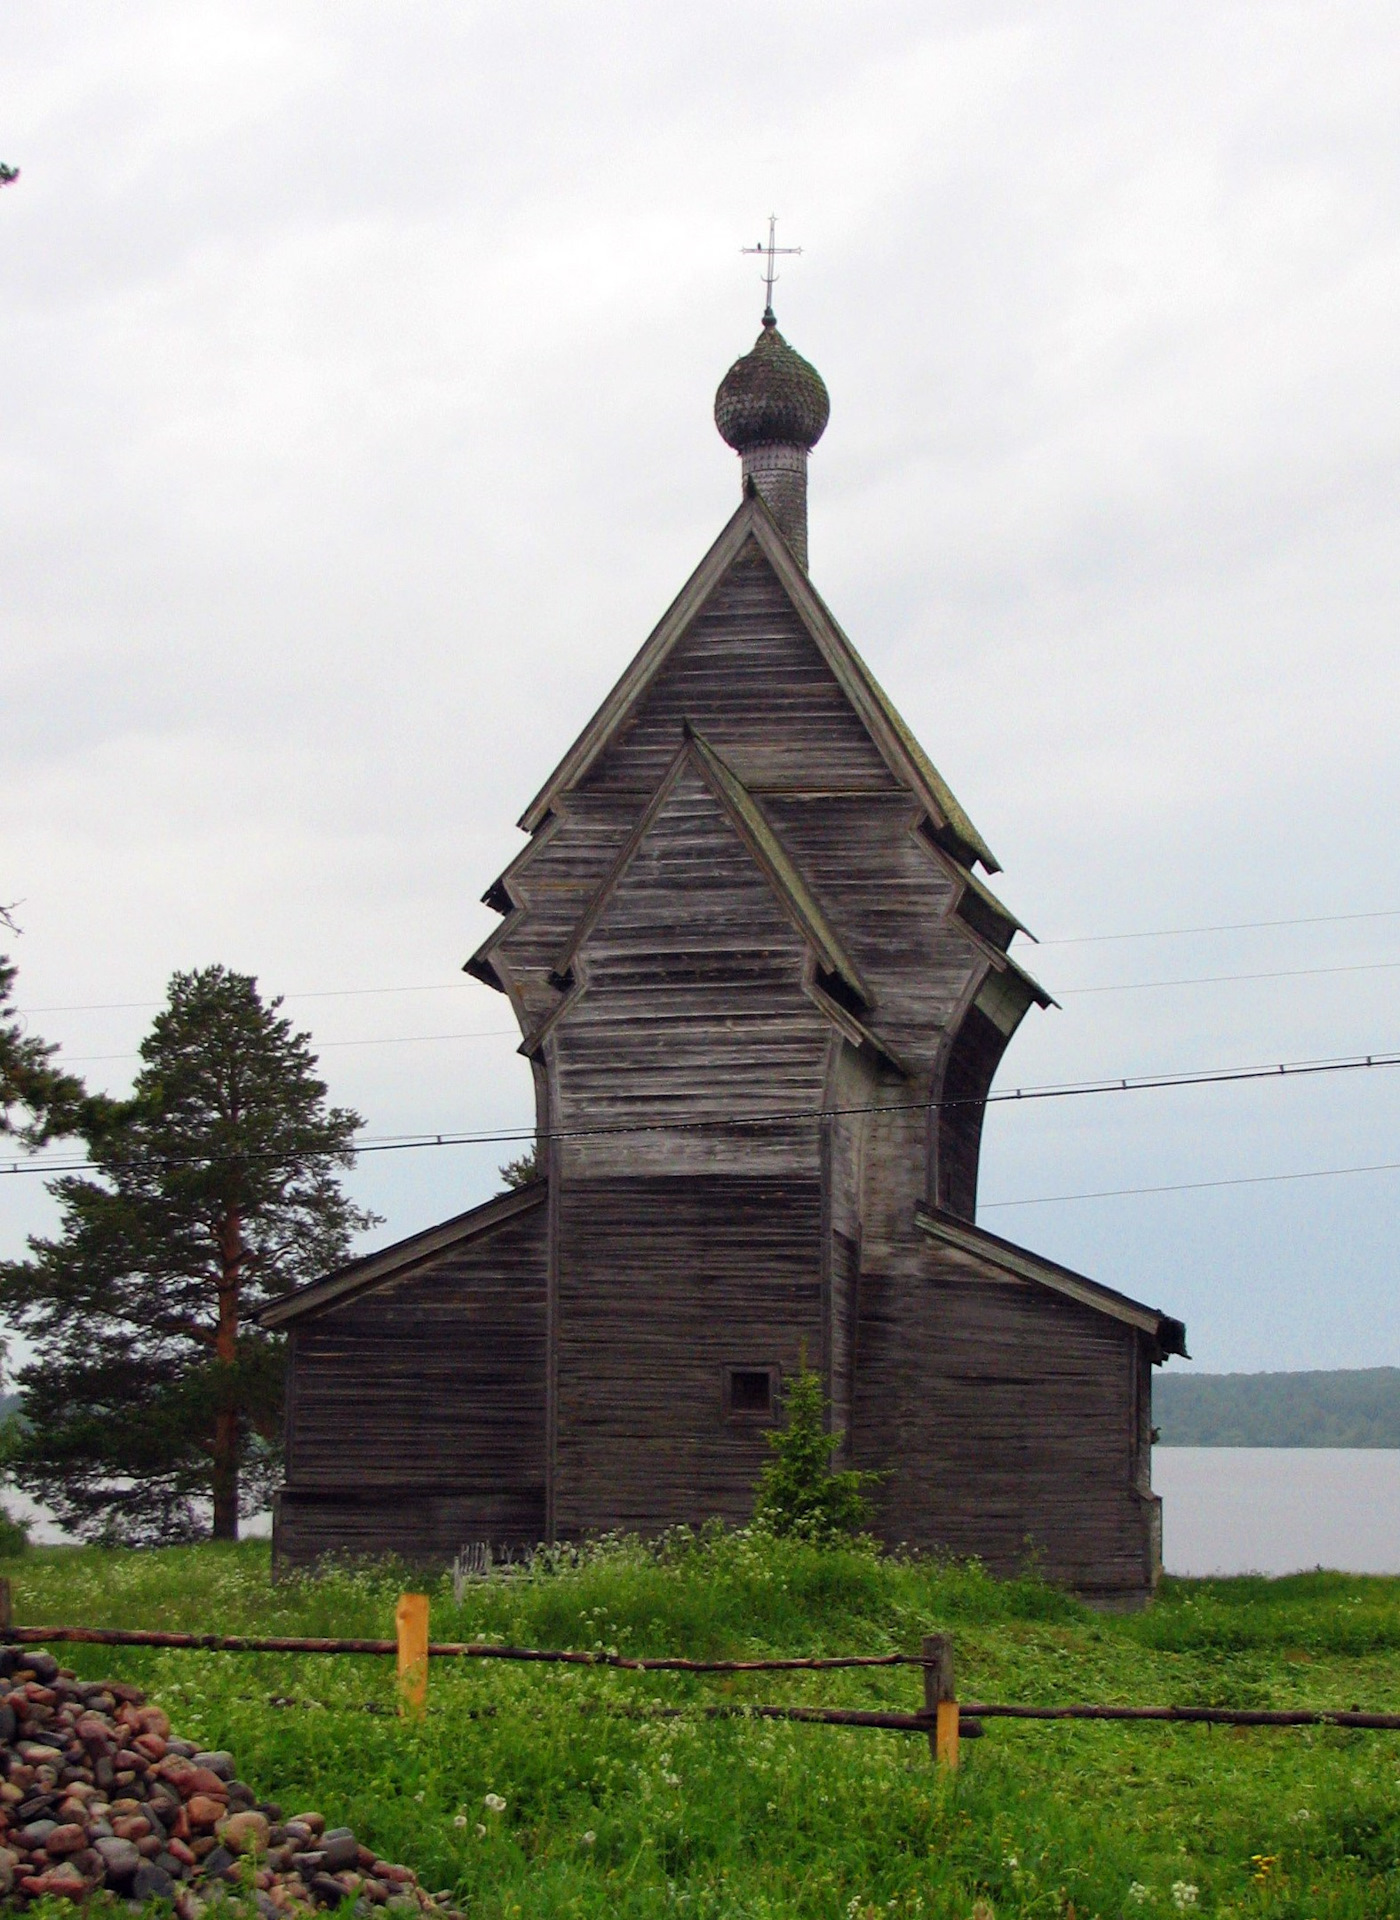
pixel 1358 1407
pixel 599 1809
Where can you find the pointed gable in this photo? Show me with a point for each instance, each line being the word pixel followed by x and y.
pixel 750 614
pixel 703 984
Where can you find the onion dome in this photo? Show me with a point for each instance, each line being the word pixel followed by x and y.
pixel 772 396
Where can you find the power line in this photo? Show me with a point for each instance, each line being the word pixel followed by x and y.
pixel 374 1040
pixel 1063 940
pixel 1219 979
pixel 322 993
pixel 1227 926
pixel 1193 1186
pixel 1067 1090
pixel 490 1033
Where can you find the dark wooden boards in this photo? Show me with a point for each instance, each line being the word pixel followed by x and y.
pixel 764 999
pixel 416 1420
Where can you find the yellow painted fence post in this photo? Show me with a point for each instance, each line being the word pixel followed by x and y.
pixel 411 1620
pixel 941 1698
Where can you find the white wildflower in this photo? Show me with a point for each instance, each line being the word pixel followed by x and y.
pixel 1139 1894
pixel 1184 1895
pixel 459 1820
pixel 480 1832
pixel 419 1798
pixel 494 1803
pixel 1299 1815
pixel 589 1837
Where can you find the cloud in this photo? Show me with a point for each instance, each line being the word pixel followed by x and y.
pixel 358 370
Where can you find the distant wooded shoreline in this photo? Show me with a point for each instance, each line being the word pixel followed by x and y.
pixel 1349 1407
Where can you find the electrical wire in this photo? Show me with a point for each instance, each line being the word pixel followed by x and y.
pixel 1063 940
pixel 1066 993
pixel 1192 1186
pixel 1220 979
pixel 374 1040
pixel 1066 1090
pixel 1227 926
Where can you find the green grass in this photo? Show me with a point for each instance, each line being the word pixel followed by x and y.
pixel 617 1816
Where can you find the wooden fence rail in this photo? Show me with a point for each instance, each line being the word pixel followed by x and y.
pixel 437 1649
pixel 944 1721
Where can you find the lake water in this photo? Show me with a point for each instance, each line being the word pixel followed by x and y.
pixel 1278 1509
pixel 1224 1509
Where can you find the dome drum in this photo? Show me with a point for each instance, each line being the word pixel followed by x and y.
pixel 772 408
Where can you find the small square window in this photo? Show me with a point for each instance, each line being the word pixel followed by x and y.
pixel 749 1390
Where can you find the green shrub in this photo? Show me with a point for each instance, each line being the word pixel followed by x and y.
pixel 799 1496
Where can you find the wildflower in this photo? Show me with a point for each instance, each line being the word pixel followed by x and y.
pixel 1139 1894
pixel 419 1798
pixel 459 1820
pixel 494 1803
pixel 1012 1862
pixel 1184 1895
pixel 671 1779
pixel 1263 1864
pixel 589 1837
pixel 481 1832
pixel 1299 1815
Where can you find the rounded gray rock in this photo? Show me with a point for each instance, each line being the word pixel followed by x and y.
pixel 152 1883
pixel 339 1850
pixel 119 1857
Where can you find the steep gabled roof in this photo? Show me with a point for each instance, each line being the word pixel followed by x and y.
pixel 1169 1334
pixel 767 850
pixel 891 737
pixel 376 1268
pixel 837 988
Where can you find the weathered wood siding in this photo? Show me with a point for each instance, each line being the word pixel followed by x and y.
pixel 966 1080
pixel 748 673
pixel 663 1283
pixel 416 1417
pixel 569 1373
pixel 1006 1417
pixel 889 895
pixel 690 1008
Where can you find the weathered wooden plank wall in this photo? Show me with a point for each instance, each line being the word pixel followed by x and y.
pixel 663 1284
pixel 418 1408
pixel 690 1008
pixel 1004 1415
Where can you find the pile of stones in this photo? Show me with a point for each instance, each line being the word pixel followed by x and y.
pixel 96 1792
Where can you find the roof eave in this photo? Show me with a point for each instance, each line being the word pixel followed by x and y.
pixel 373 1269
pixel 1169 1334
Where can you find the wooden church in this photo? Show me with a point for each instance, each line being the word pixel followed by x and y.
pixel 764 992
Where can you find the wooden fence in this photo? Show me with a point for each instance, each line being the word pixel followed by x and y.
pixel 943 1720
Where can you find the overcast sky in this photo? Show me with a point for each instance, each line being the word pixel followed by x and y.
pixel 357 367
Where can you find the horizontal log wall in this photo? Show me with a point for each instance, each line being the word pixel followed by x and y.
pixel 748 672
pixel 691 1007
pixel 663 1283
pixel 416 1417
pixel 1004 1415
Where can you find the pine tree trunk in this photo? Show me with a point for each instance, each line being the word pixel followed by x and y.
pixel 226 1422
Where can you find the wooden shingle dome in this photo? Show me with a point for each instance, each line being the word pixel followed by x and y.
pixel 772 396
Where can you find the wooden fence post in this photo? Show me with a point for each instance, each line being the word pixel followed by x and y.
pixel 941 1698
pixel 411 1620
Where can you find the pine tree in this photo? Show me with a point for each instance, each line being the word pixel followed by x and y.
pixel 37 1100
pixel 151 1396
pixel 798 1493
